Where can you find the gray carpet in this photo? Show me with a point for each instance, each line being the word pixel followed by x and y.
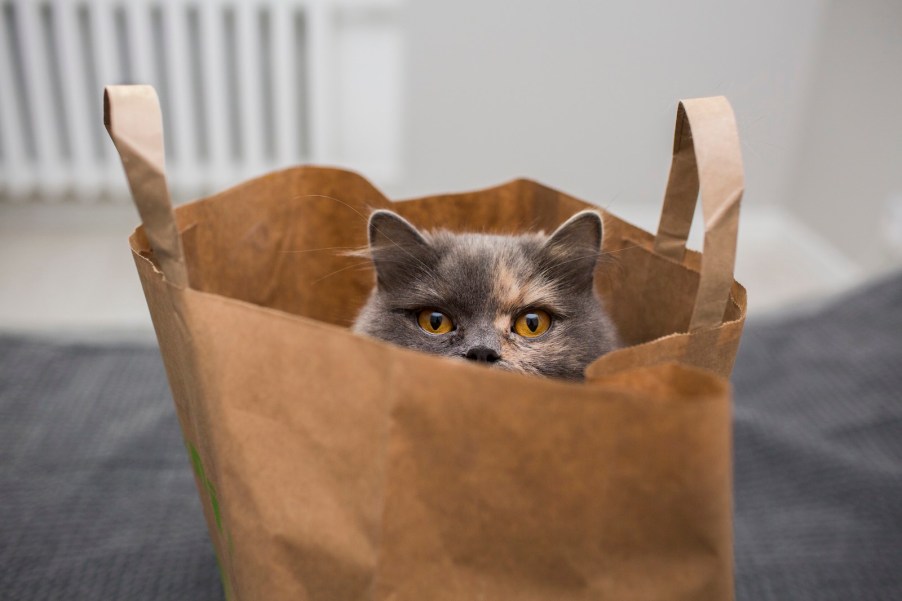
pixel 97 499
pixel 818 452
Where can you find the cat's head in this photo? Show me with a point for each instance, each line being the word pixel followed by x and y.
pixel 523 303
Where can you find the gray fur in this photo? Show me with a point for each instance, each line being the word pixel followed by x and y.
pixel 483 282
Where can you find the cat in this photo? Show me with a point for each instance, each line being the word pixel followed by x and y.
pixel 524 303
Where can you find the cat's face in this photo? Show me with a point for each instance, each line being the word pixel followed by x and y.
pixel 523 303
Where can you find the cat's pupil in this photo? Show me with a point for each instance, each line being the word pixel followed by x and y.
pixel 435 320
pixel 532 322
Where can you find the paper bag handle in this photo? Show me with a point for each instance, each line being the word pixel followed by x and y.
pixel 705 155
pixel 131 114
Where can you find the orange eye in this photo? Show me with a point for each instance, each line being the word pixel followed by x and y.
pixel 434 322
pixel 532 323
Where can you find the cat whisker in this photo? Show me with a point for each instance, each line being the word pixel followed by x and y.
pixel 607 208
pixel 366 218
pixel 619 250
pixel 337 271
pixel 339 201
pixel 599 255
pixel 310 250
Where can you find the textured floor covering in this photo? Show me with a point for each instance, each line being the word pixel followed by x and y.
pixel 98 502
pixel 818 452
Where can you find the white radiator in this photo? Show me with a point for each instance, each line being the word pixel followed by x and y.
pixel 245 86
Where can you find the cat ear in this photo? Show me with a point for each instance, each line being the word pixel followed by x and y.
pixel 573 249
pixel 395 246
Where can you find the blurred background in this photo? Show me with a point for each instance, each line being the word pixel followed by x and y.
pixel 427 96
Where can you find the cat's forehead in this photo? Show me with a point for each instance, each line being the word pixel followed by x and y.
pixel 486 250
pixel 501 272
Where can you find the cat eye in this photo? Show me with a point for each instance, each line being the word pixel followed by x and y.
pixel 434 322
pixel 532 323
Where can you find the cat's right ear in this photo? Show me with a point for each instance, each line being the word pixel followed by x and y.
pixel 573 249
pixel 396 246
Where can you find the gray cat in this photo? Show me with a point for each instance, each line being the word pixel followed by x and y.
pixel 523 303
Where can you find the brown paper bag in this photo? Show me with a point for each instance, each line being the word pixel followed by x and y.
pixel 333 466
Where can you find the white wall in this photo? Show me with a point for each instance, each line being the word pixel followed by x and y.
pixel 582 95
pixel 847 164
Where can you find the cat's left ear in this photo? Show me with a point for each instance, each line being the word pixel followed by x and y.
pixel 573 249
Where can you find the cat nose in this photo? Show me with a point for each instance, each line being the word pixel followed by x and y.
pixel 482 354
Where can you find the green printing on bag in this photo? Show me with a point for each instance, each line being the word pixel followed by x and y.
pixel 217 514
